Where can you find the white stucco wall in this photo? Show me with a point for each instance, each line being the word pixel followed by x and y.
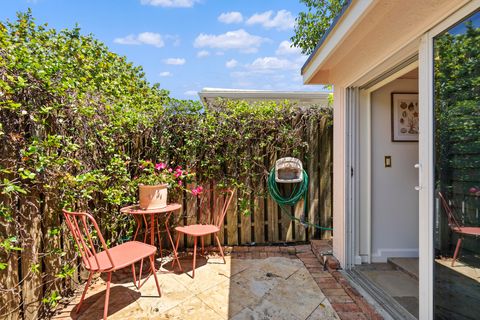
pixel 394 200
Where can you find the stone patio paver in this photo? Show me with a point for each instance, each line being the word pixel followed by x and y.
pixel 257 282
pixel 278 287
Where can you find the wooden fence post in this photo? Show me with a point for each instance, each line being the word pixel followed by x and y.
pixel 51 243
pixel 326 173
pixel 31 264
pixel 9 277
pixel 272 207
pixel 313 175
pixel 232 221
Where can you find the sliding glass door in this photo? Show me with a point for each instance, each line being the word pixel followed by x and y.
pixel 456 204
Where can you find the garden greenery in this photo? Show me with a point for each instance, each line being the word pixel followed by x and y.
pixel 457 117
pixel 77 119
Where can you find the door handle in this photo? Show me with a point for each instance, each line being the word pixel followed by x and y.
pixel 419 187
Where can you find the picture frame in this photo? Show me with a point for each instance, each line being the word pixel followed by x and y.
pixel 405 117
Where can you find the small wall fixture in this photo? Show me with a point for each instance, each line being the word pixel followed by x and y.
pixel 388 161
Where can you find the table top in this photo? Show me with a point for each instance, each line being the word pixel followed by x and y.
pixel 135 209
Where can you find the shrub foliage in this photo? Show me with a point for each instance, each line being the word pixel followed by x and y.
pixel 76 119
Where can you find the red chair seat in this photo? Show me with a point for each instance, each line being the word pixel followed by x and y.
pixel 473 231
pixel 122 255
pixel 197 230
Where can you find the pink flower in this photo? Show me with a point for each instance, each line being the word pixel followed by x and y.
pixel 196 191
pixel 473 190
pixel 177 174
pixel 135 178
pixel 170 170
pixel 160 166
pixel 180 182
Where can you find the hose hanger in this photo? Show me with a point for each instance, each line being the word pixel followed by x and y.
pixel 289 170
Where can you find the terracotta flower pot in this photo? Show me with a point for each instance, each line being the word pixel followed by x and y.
pixel 152 197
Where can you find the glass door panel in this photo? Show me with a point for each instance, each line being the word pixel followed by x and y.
pixel 457 171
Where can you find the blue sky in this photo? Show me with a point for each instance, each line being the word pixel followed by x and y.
pixel 187 45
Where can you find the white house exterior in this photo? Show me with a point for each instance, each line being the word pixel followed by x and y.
pixel 377 48
pixel 208 96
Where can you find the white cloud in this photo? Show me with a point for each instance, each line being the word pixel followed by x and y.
pixel 230 17
pixel 272 63
pixel 175 61
pixel 283 20
pixel 148 38
pixel 285 48
pixel 239 39
pixel 203 54
pixel 175 39
pixel 231 63
pixel 170 3
pixel 165 74
pixel 190 93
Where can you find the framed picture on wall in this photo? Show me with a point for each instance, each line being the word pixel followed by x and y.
pixel 405 117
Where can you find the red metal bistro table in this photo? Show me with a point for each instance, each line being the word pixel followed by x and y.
pixel 142 215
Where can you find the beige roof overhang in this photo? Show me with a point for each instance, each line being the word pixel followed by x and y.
pixel 367 33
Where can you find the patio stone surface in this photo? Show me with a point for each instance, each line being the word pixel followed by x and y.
pixel 270 288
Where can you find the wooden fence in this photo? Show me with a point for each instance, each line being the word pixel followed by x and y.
pixel 28 275
pixel 267 222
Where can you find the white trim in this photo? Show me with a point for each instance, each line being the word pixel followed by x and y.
pixel 393 77
pixel 425 174
pixel 351 180
pixel 382 255
pixel 365 167
pixel 426 171
pixel 454 18
pixel 310 97
pixel 350 18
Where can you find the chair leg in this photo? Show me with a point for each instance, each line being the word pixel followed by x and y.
pixel 139 222
pixel 194 255
pixel 134 275
pixel 85 291
pixel 220 248
pixel 457 250
pixel 175 253
pixel 159 239
pixel 152 264
pixel 140 274
pixel 107 296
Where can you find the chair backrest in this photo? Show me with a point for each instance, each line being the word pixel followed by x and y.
pixel 80 225
pixel 213 205
pixel 452 221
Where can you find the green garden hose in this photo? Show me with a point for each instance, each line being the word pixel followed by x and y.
pixel 300 190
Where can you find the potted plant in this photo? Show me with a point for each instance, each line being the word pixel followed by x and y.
pixel 155 179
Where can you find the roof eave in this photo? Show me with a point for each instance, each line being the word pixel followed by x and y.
pixel 352 12
pixel 337 18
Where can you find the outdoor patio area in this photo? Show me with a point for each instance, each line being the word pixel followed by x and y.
pixel 275 282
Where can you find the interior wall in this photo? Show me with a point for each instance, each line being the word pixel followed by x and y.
pixel 394 201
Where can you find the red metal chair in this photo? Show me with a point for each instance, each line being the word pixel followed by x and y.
pixel 213 205
pixel 456 227
pixel 108 260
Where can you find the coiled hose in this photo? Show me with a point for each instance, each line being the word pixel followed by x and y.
pixel 300 190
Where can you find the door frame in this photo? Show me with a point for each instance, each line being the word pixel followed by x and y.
pixel 426 159
pixel 365 165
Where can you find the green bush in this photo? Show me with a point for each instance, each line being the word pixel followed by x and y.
pixel 76 119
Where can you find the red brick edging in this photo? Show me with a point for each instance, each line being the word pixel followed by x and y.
pixel 347 302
